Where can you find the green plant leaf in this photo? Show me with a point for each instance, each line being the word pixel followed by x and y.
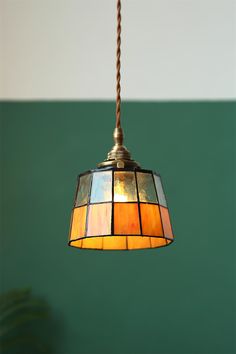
pixel 26 306
pixel 21 320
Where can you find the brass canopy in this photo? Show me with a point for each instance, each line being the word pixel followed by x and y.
pixel 119 155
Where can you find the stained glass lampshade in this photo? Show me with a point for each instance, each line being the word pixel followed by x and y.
pixel 120 209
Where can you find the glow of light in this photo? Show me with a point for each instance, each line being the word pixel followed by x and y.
pixel 120 197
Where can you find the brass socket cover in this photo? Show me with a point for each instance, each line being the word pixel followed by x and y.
pixel 119 155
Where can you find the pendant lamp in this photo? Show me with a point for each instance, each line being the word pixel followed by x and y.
pixel 119 205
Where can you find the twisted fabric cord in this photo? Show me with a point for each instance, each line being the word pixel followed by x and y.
pixel 118 54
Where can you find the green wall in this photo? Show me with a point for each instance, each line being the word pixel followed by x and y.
pixel 174 300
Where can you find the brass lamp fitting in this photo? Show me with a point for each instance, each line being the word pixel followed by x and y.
pixel 119 155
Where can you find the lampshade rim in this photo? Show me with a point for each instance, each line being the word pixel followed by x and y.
pixel 120 235
pixel 123 249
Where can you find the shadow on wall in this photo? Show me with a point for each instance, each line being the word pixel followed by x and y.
pixel 26 324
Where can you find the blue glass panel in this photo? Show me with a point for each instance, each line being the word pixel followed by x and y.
pixel 101 187
pixel 160 193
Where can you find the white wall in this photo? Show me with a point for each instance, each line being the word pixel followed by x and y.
pixel 65 49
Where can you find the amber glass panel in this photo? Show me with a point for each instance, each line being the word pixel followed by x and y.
pixel 157 242
pixel 84 189
pixel 160 193
pixel 126 219
pixel 101 187
pixel 114 243
pixel 99 219
pixel 125 187
pixel 138 242
pixel 151 221
pixel 146 188
pixel 78 222
pixel 166 222
pixel 92 242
